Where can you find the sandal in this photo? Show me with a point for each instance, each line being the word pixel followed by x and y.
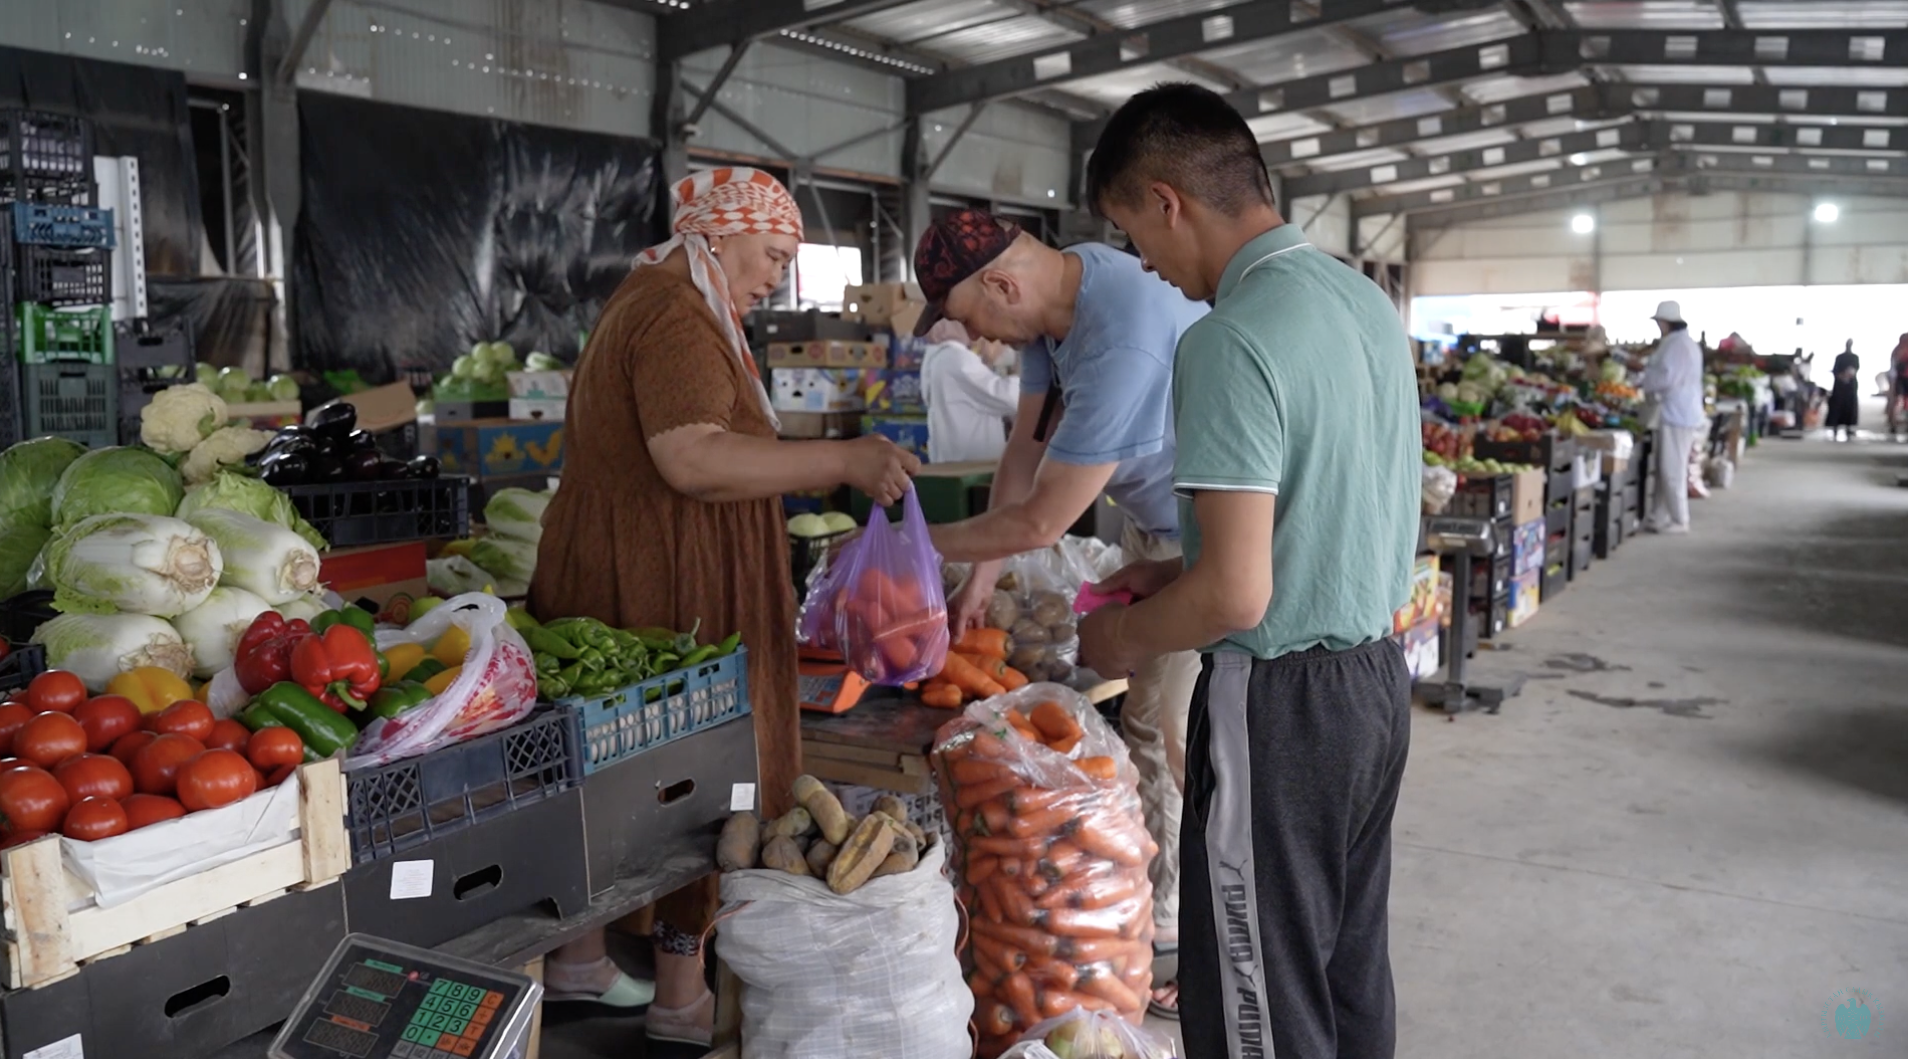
pixel 683 1025
pixel 625 994
pixel 1163 1009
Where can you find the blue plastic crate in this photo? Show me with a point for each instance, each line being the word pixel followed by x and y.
pixel 645 715
pixel 71 226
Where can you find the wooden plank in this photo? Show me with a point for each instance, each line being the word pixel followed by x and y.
pixel 859 755
pixel 880 779
pixel 161 935
pixel 321 814
pixel 1105 690
pixel 217 914
pixel 533 1045
pixel 117 950
pixel 42 932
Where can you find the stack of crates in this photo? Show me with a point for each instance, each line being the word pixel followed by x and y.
pixel 56 262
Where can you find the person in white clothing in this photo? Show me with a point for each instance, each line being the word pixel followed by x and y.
pixel 1675 379
pixel 968 403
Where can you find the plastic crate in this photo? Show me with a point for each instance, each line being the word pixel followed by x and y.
pixel 1549 451
pixel 805 553
pixel 57 225
pixel 77 401
pixel 47 146
pixel 47 334
pixel 623 723
pixel 1483 496
pixel 349 514
pixel 153 352
pixel 54 275
pixel 12 412
pixel 24 662
pixel 22 615
pixel 405 804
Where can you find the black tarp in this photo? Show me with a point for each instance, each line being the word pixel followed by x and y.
pixel 135 110
pixel 424 232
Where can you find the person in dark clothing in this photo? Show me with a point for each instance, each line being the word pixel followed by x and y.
pixel 1844 406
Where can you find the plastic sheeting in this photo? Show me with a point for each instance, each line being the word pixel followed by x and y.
pixel 230 317
pixel 424 232
pixel 135 110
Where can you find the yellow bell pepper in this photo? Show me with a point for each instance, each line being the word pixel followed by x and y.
pixel 443 680
pixel 403 658
pixel 451 647
pixel 458 547
pixel 150 688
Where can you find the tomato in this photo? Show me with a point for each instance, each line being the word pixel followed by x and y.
pixel 31 799
pixel 280 775
pixel 91 819
pixel 21 838
pixel 106 718
pixel 273 748
pixel 228 734
pixel 215 778
pixel 55 690
pixel 94 776
pixel 144 809
pixel 155 767
pixel 186 717
pixel 12 716
pixel 129 744
pixel 49 738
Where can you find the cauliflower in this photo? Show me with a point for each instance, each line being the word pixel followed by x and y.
pixel 180 417
pixel 226 446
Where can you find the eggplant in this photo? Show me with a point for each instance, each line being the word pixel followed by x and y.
pixel 362 466
pixel 391 469
pixel 286 468
pixel 423 467
pixel 336 420
pixel 360 441
pixel 301 443
pixel 293 430
pixel 327 469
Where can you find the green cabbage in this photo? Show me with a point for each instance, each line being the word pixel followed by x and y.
pixel 28 472
pixel 118 480
pixel 20 544
pixel 246 495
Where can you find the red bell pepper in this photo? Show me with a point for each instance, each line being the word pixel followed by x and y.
pixel 263 655
pixel 339 666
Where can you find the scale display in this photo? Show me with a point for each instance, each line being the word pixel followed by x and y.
pixel 378 999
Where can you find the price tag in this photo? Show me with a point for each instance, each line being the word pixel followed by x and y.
pixel 741 797
pixel 69 1048
pixel 412 879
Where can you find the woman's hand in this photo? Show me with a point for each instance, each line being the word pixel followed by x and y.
pixel 879 467
pixel 1144 578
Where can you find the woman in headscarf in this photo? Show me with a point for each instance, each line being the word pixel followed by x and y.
pixel 670 514
pixel 1845 399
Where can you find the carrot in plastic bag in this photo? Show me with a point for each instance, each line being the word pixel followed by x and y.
pixel 1018 991
pixel 1055 722
pixel 1100 768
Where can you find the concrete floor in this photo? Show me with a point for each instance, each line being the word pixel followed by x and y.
pixel 1689 835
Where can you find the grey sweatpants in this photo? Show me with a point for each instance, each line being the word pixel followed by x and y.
pixel 1292 774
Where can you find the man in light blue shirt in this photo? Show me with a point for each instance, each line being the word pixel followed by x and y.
pixel 1097 334
pixel 1674 378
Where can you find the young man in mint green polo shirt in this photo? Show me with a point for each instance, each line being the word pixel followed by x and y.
pixel 1297 469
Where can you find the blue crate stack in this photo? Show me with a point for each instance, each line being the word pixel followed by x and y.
pixel 55 258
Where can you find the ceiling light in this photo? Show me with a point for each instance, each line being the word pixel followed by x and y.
pixel 1583 224
pixel 1827 212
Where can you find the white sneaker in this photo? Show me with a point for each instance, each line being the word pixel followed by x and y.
pixel 1675 529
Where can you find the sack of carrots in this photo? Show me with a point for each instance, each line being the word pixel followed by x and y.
pixel 1052 856
pixel 884 601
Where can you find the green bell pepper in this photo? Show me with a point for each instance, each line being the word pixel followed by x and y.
pixel 393 699
pixel 323 729
pixel 349 614
pixel 424 670
pixel 384 667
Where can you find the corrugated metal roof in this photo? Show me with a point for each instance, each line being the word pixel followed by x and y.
pixel 1357 160
pixel 1116 88
pixel 1498 89
pixel 1469 141
pixel 1386 108
pixel 1129 13
pixel 915 22
pixel 1408 31
pixel 1285 126
pixel 1673 74
pixel 1287 58
pixel 1838 75
pixel 1814 14
pixel 1652 14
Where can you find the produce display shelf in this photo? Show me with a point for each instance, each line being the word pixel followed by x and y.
pixel 24 661
pixel 1549 451
pixel 349 514
pixel 406 804
pixel 52 930
pixel 54 275
pixel 625 722
pixel 57 225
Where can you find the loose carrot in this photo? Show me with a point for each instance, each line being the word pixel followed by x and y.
pixel 941 694
pixel 971 797
pixel 988 664
pixel 962 674
pixel 1012 679
pixel 990 642
pixel 1099 768
pixel 1018 991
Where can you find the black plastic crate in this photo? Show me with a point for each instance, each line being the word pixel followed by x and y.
pixel 1492 618
pixel 1483 497
pixel 71 400
pixel 161 351
pixel 25 613
pixel 1490 577
pixel 53 275
pixel 1556 579
pixel 1550 451
pixel 349 514
pixel 12 411
pixel 1582 551
pixel 41 145
pixel 403 805
pixel 59 225
pixel 24 661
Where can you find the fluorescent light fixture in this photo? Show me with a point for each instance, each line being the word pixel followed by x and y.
pixel 1583 224
pixel 1827 213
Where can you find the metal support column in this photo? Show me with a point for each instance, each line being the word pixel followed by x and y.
pixel 272 124
pixel 915 211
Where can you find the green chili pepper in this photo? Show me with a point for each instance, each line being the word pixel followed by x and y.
pixel 424 670
pixel 592 660
pixel 697 656
pixel 394 699
pixel 323 729
pixel 727 646
pixel 548 664
pixel 544 642
pixel 572 673
pixel 552 687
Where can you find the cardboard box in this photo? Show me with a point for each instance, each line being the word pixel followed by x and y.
pixel 1420 643
pixel 878 303
pixel 819 389
pixel 1586 469
pixel 811 426
pixel 909 432
pixel 382 408
pixel 905 351
pixel 1527 546
pixel 1423 603
pixel 904 318
pixel 539 384
pixel 828 354
pixel 1527 495
pixel 391 575
pixel 1612 466
pixel 489 448
pixel 897 393
pixel 548 409
pixel 1526 590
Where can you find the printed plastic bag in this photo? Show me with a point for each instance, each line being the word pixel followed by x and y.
pixel 1053 855
pixel 871 973
pixel 889 612
pixel 496 688
pixel 1081 1034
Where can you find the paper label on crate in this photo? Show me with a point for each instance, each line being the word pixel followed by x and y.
pixel 70 1048
pixel 412 878
pixel 741 797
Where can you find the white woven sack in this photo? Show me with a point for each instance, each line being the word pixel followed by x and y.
pixel 846 976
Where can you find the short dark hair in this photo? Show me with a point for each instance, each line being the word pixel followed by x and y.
pixel 1677 325
pixel 1185 136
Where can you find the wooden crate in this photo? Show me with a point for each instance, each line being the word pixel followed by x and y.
pixel 47 941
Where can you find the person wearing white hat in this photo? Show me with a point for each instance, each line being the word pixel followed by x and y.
pixel 1675 379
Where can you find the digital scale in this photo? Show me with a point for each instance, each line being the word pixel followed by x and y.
pixel 1466 538
pixel 378 999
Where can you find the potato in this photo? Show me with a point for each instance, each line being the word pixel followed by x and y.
pixel 1002 611
pixel 1051 608
pixel 793 824
pixel 1027 632
pixel 782 853
pixel 1025 658
pixel 900 861
pixel 865 851
pixel 823 806
pixel 740 843
pixel 894 807
pixel 920 836
pixel 820 856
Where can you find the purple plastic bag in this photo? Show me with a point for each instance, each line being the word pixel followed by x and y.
pixel 882 601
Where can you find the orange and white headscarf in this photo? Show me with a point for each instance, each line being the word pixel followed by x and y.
pixel 730 201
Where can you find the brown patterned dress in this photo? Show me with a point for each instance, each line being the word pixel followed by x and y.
pixel 621 546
